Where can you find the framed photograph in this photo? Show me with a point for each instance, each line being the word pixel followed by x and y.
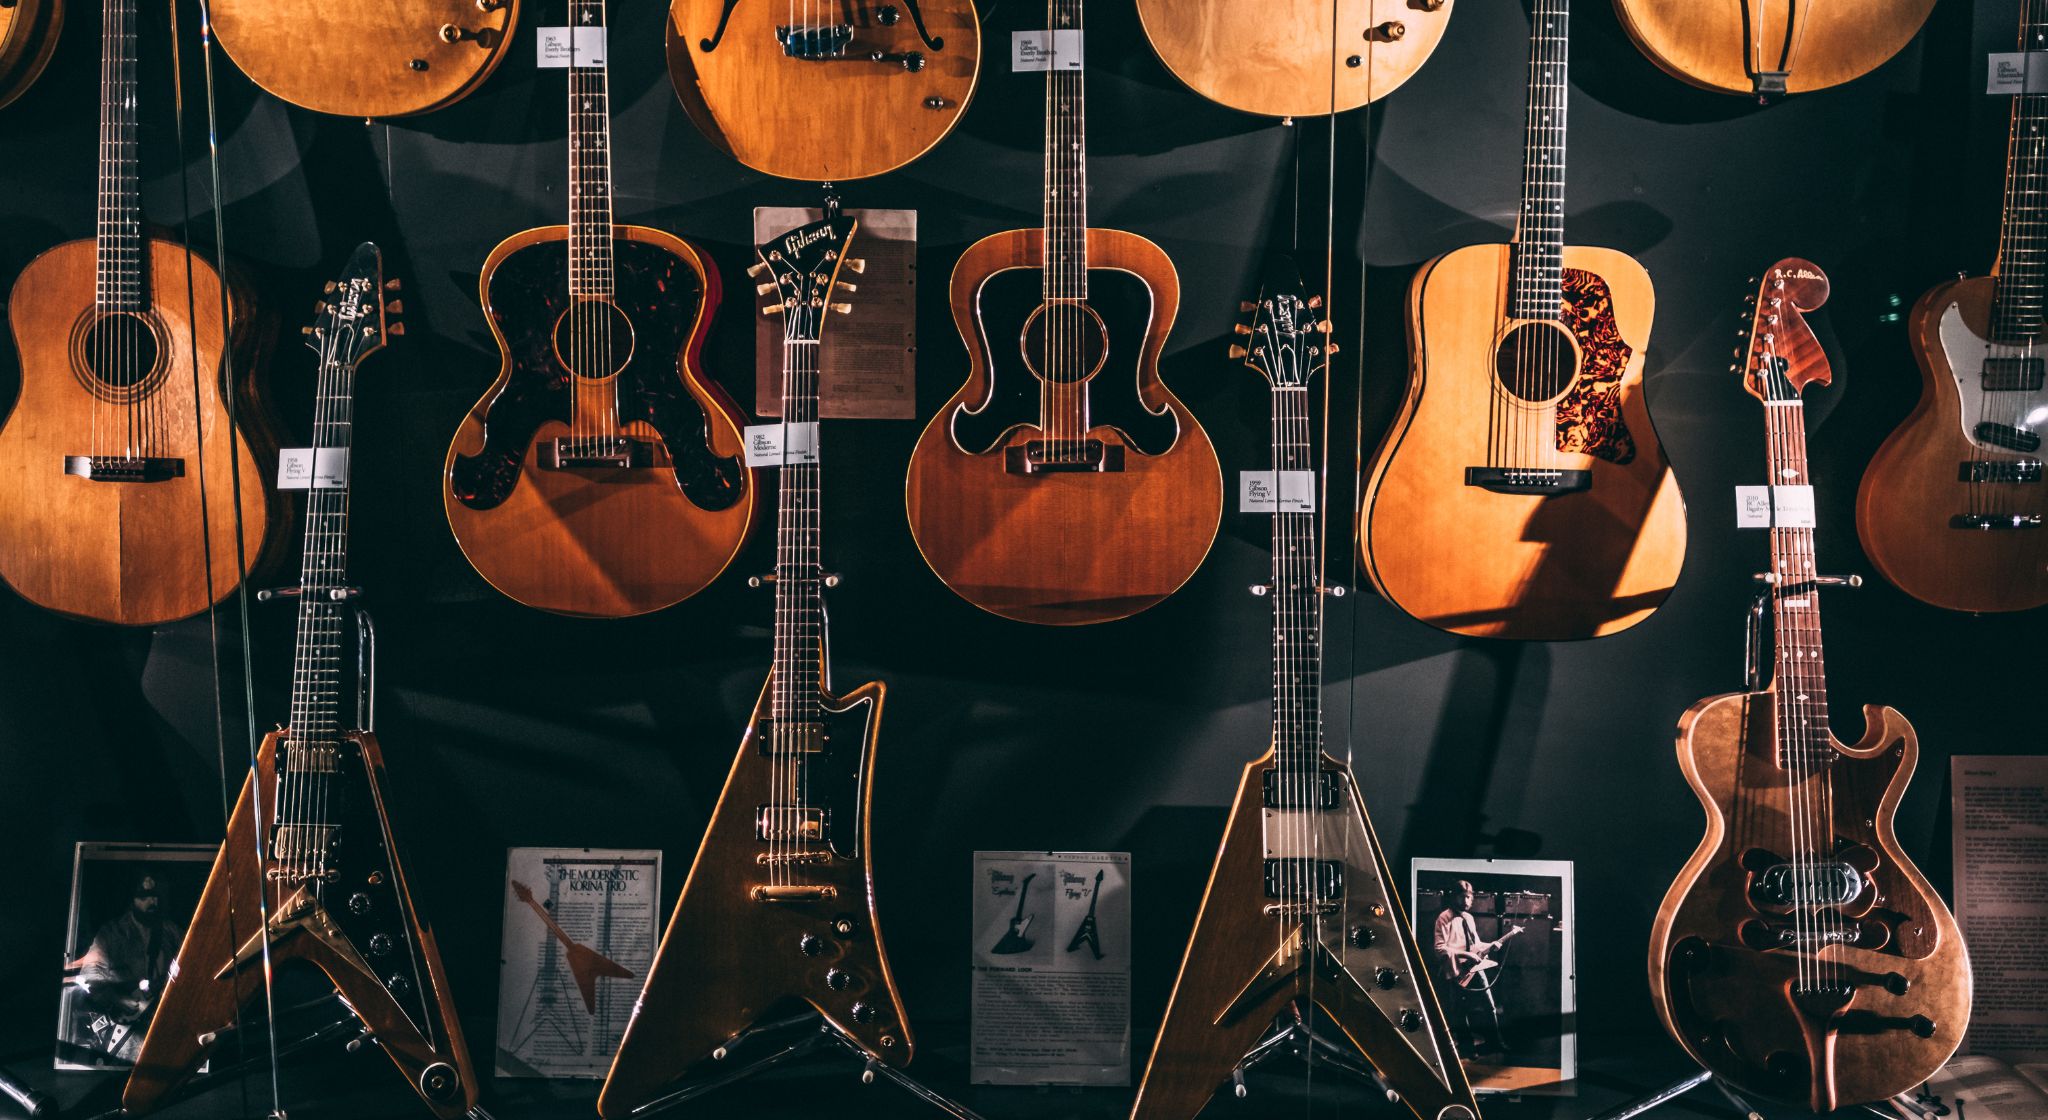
pixel 129 907
pixel 1498 935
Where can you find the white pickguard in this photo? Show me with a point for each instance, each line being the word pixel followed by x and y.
pixel 1966 352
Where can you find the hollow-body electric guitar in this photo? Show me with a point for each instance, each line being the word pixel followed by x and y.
pixel 1301 905
pixel 124 358
pixel 1800 954
pixel 396 57
pixel 779 905
pixel 1064 483
pixel 1523 493
pixel 601 475
pixel 309 870
pixel 1768 48
pixel 1289 61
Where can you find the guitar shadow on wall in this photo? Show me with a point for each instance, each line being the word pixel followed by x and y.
pixel 1491 709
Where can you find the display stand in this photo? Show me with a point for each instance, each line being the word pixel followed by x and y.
pixel 1297 1037
pixel 31 1103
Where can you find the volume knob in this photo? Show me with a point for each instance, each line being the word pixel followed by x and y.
pixel 863 1012
pixel 810 945
pixel 1361 936
pixel 1386 978
pixel 839 980
pixel 380 944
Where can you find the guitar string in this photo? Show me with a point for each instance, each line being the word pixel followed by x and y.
pixel 1787 667
pixel 2022 322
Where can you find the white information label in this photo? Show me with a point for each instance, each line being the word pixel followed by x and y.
pixel 1756 505
pixel 309 468
pixel 1051 956
pixel 766 446
pixel 2012 71
pixel 578 937
pixel 1999 835
pixel 1263 492
pixel 554 47
pixel 1045 50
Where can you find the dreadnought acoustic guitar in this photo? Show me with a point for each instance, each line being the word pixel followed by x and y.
pixel 1301 906
pixel 1522 492
pixel 601 475
pixel 28 36
pixel 757 77
pixel 780 904
pixel 1770 47
pixel 1951 508
pixel 1289 60
pixel 122 419
pixel 1064 483
pixel 309 871
pixel 387 58
pixel 1800 954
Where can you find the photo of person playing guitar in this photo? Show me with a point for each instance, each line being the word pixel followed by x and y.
pixel 1466 967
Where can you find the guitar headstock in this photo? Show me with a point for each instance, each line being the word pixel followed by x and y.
pixel 357 312
pixel 1284 339
pixel 1783 356
pixel 803 268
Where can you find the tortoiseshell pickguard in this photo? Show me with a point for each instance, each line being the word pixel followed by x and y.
pixel 1589 414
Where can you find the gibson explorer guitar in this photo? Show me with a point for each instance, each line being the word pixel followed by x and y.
pixel 309 871
pixel 1951 506
pixel 1800 954
pixel 601 474
pixel 1522 492
pixel 779 905
pixel 1300 905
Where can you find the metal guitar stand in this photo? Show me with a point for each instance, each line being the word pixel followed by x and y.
pixel 1299 1038
pixel 31 1103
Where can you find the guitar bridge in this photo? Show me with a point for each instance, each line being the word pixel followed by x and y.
pixel 124 468
pixel 1528 480
pixel 2001 470
pixel 782 823
pixel 796 892
pixel 793 859
pixel 1995 522
pixel 1301 909
pixel 1039 456
pixel 572 453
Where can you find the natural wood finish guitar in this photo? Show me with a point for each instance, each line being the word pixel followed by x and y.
pixel 28 35
pixel 1770 47
pixel 1278 60
pixel 389 58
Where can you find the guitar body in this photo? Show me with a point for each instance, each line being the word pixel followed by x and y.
pixel 1728 999
pixel 28 35
pixel 1508 565
pixel 1277 61
pixel 728 959
pixel 1712 43
pixel 1064 547
pixel 129 553
pixel 600 541
pixel 760 105
pixel 1241 970
pixel 1914 488
pixel 400 993
pixel 393 61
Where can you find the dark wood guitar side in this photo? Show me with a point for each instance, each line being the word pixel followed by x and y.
pixel 389 58
pixel 28 36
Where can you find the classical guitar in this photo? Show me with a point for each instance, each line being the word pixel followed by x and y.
pixel 1951 506
pixel 1800 954
pixel 1301 906
pixel 309 871
pixel 1768 48
pixel 121 421
pixel 1522 492
pixel 28 36
pixel 780 902
pixel 1064 483
pixel 755 75
pixel 388 58
pixel 1288 60
pixel 601 475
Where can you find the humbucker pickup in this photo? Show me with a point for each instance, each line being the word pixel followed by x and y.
pixel 312 758
pixel 795 738
pixel 1298 791
pixel 600 452
pixel 124 468
pixel 2012 375
pixel 2009 437
pixel 2000 470
pixel 783 823
pixel 1047 457
pixel 1322 879
pixel 1528 480
pixel 301 843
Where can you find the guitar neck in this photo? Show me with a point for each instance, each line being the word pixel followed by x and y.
pixel 1801 687
pixel 799 575
pixel 118 281
pixel 316 668
pixel 1297 599
pixel 1065 269
pixel 590 162
pixel 1538 268
pixel 2016 303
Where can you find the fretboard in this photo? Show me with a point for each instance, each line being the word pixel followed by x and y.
pixel 1066 167
pixel 118 277
pixel 2023 226
pixel 1801 674
pixel 799 574
pixel 590 165
pixel 1537 289
pixel 1297 598
pixel 316 671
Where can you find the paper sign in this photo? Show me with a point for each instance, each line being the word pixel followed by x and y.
pixel 1051 955
pixel 1999 836
pixel 554 47
pixel 578 938
pixel 1793 505
pixel 2010 70
pixel 1045 50
pixel 867 361
pixel 765 444
pixel 1259 492
pixel 306 468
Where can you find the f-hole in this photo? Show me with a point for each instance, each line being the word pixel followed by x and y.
pixel 1536 361
pixel 1064 342
pixel 593 339
pixel 121 356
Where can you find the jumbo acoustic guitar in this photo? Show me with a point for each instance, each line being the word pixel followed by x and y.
pixel 1522 492
pixel 309 874
pixel 1800 954
pixel 779 907
pixel 1951 507
pixel 1770 47
pixel 1301 907
pixel 382 58
pixel 1064 483
pixel 1289 60
pixel 28 36
pixel 601 474
pixel 122 419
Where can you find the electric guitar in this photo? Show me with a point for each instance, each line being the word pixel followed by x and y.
pixel 1064 483
pixel 309 871
pixel 1013 939
pixel 1800 954
pixel 396 57
pixel 1290 61
pixel 780 903
pixel 601 475
pixel 1486 966
pixel 1087 934
pixel 586 964
pixel 1522 492
pixel 1951 508
pixel 1300 905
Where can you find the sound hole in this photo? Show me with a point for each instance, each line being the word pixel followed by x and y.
pixel 121 355
pixel 1064 342
pixel 594 339
pixel 1536 361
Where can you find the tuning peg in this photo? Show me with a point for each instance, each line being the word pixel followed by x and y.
pixel 394 330
pixel 391 285
pixel 767 289
pixel 847 287
pixel 1325 327
pixel 394 307
pixel 757 268
pixel 1246 306
pixel 327 287
pixel 1330 348
pixel 772 309
pixel 843 308
pixel 1315 302
pixel 1241 328
pixel 1237 351
pixel 307 331
pixel 858 264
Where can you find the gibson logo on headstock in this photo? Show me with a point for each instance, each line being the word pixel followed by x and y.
pixel 798 241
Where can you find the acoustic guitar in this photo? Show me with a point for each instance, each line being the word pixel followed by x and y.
pixel 1768 48
pixel 28 36
pixel 387 58
pixel 1522 491
pixel 1288 60
pixel 1800 954
pixel 780 904
pixel 309 873
pixel 1301 907
pixel 1952 504
pixel 1064 483
pixel 601 475
pixel 759 76
pixel 120 436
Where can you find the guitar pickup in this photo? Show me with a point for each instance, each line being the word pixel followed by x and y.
pixel 301 850
pixel 2008 437
pixel 2002 470
pixel 1528 480
pixel 1320 793
pixel 1296 879
pixel 1995 522
pixel 815 44
pixel 2012 375
pixel 1040 456
pixel 784 823
pixel 312 758
pixel 124 468
pixel 799 738
pixel 571 453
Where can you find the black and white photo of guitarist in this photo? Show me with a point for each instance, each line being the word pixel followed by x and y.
pixel 1460 957
pixel 120 975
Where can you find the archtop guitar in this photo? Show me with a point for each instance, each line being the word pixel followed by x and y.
pixel 390 58
pixel 1284 60
pixel 1769 48
pixel 28 36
